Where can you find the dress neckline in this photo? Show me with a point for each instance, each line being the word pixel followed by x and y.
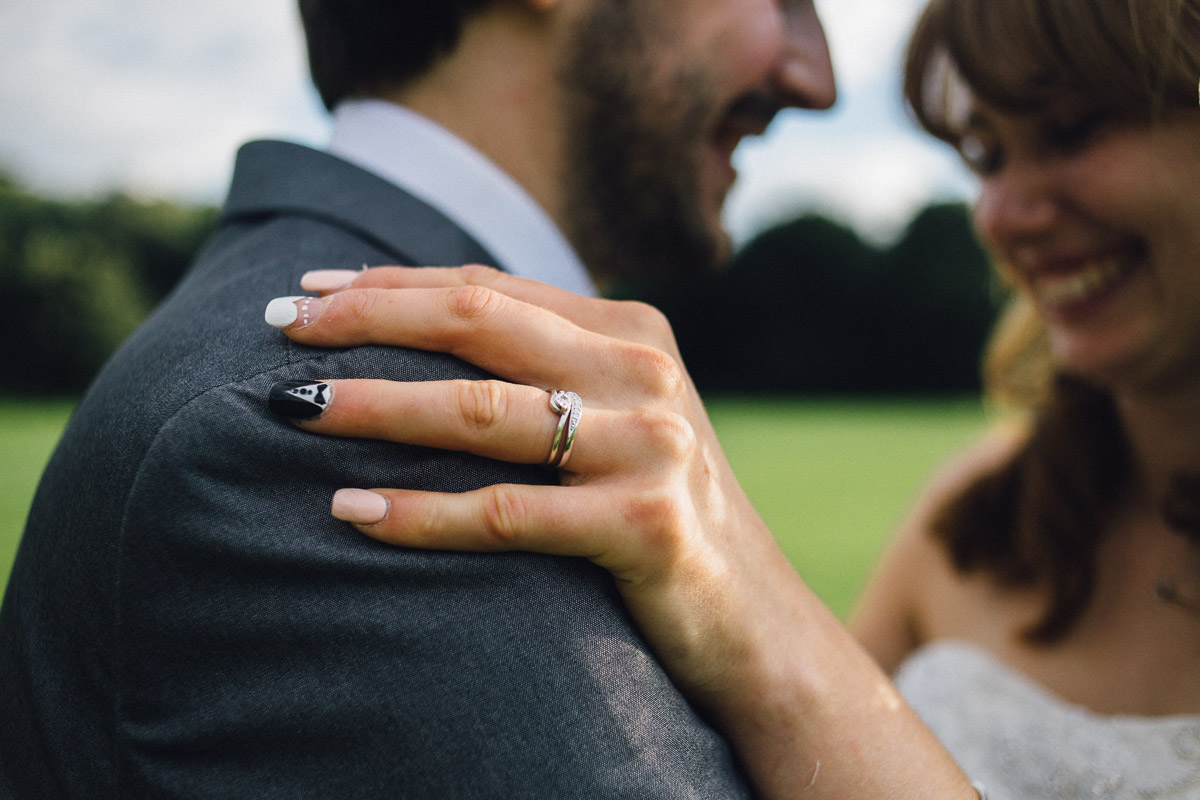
pixel 985 660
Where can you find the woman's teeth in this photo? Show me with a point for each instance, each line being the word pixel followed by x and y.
pixel 1055 290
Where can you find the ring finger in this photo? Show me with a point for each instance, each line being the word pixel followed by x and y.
pixel 505 421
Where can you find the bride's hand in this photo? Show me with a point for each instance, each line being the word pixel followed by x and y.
pixel 646 493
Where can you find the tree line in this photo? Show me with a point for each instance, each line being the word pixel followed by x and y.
pixel 809 307
pixel 77 276
pixel 806 307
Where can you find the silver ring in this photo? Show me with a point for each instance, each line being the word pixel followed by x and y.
pixel 569 407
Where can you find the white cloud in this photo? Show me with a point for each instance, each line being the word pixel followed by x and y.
pixel 146 95
pixel 867 38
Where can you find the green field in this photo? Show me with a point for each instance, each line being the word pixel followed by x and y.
pixel 28 431
pixel 831 478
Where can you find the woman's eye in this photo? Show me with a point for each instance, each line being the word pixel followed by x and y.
pixel 978 156
pixel 1073 133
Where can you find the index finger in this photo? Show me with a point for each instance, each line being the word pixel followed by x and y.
pixel 519 341
pixel 621 319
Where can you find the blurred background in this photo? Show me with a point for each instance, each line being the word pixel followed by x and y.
pixel 152 99
pixel 120 120
pixel 857 275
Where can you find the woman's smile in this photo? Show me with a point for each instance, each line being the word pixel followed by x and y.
pixel 1071 289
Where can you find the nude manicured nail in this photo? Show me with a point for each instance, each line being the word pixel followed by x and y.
pixel 359 506
pixel 297 312
pixel 328 280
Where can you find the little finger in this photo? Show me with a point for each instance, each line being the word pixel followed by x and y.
pixel 567 521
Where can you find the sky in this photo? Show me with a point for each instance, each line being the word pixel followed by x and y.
pixel 153 98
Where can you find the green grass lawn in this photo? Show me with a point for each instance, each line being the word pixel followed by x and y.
pixel 831 478
pixel 834 478
pixel 28 431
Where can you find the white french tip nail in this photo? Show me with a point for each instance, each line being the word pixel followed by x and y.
pixel 282 311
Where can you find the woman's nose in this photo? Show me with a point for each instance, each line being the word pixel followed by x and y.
pixel 1015 205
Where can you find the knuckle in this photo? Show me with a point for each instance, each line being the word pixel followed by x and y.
pixel 482 405
pixel 657 372
pixel 669 434
pixel 504 515
pixel 661 520
pixel 472 304
pixel 361 309
pixel 651 324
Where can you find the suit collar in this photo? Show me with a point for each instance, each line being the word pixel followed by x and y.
pixel 272 178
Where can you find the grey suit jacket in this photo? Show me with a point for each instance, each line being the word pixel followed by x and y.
pixel 185 619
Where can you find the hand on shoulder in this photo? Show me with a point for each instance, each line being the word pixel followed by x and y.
pixel 646 494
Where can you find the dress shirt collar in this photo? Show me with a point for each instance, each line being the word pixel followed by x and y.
pixel 434 165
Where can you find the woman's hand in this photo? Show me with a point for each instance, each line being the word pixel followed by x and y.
pixel 647 494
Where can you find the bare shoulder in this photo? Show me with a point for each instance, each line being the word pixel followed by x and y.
pixel 904 602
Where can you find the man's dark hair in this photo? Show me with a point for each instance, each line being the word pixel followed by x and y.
pixel 360 47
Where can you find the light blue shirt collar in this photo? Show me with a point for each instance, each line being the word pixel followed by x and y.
pixel 434 165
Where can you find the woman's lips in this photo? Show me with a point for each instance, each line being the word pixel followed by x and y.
pixel 1058 289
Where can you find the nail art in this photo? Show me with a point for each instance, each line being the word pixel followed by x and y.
pixel 300 400
pixel 284 311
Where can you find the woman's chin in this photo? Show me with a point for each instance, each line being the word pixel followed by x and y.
pixel 1116 365
pixel 1098 359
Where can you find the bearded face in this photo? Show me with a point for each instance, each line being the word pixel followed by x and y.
pixel 638 131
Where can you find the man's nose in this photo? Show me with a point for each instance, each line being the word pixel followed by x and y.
pixel 805 75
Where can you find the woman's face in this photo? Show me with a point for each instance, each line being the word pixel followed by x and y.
pixel 1098 222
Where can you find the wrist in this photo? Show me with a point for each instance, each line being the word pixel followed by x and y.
pixel 808 711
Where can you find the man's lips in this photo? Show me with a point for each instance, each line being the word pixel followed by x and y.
pixel 749 115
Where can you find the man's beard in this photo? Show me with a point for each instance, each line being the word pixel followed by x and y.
pixel 636 141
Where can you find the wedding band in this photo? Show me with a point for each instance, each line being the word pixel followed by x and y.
pixel 569 407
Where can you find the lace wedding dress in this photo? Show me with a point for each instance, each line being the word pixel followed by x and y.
pixel 1022 742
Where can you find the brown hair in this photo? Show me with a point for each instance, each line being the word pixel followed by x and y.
pixel 1132 58
pixel 1039 519
pixel 362 47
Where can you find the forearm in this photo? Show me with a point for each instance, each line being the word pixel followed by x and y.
pixel 811 715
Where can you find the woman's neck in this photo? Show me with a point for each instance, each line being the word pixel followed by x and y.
pixel 1163 432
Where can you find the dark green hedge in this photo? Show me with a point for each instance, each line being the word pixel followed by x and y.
pixel 807 307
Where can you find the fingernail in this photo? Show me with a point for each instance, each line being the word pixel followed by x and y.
pixel 300 400
pixel 327 280
pixel 299 312
pixel 359 506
